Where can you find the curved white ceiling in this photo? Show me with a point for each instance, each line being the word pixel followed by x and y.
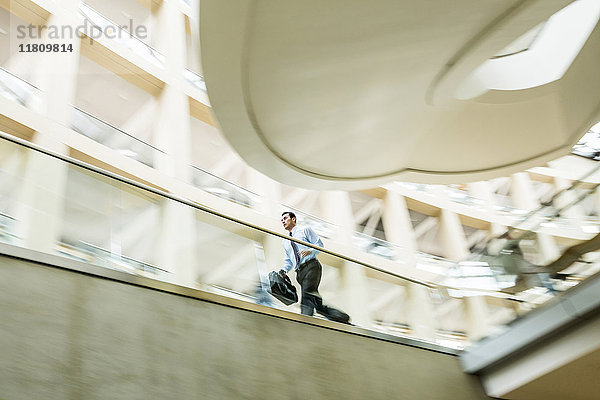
pixel 338 94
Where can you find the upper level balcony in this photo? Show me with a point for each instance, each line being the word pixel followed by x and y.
pixel 120 51
pixel 124 38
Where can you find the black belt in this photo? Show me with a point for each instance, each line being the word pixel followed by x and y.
pixel 305 263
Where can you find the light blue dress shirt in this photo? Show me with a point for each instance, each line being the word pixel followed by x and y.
pixel 306 234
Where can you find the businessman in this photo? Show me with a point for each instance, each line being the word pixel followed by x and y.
pixel 308 269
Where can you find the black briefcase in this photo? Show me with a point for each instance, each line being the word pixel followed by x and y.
pixel 282 289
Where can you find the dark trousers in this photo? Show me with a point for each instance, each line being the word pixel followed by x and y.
pixel 309 278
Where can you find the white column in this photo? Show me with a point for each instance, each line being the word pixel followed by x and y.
pixel 172 136
pixel 455 248
pixel 41 195
pixel 476 316
pixel 354 289
pixel 270 195
pixel 56 72
pixel 524 198
pixel 337 209
pixel 547 249
pixel 419 311
pixel 482 190
pixel 176 245
pixel 194 59
pixel 522 193
pixel 565 198
pixel 452 237
pixel 399 231
pixel 41 202
pixel 172 132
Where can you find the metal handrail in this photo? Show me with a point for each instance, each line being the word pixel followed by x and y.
pixel 19 78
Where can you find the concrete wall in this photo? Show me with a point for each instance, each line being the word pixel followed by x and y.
pixel 69 335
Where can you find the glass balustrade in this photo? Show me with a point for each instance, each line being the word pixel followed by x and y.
pixel 16 89
pixel 521 260
pixel 97 219
pixel 94 218
pixel 433 263
pixel 224 189
pixel 118 261
pixel 116 139
pixel 195 79
pixel 120 35
pixel 379 247
pixel 476 275
pixel 460 196
pixel 545 217
pixel 514 264
pixel 498 279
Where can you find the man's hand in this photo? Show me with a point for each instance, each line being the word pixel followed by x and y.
pixel 305 253
pixel 282 273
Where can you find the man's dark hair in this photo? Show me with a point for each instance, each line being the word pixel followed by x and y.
pixel 291 214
